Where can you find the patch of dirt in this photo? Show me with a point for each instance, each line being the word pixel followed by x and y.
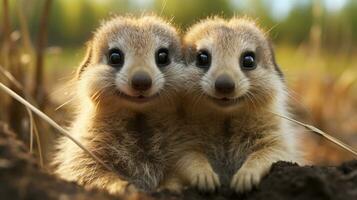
pixel 22 178
pixel 290 181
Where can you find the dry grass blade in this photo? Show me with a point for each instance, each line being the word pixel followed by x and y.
pixel 9 76
pixel 41 44
pixel 24 27
pixel 38 141
pixel 321 133
pixel 33 129
pixel 52 123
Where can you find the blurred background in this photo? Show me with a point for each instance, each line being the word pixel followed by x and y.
pixel 42 42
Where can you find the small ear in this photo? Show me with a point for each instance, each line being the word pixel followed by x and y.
pixel 276 66
pixel 85 62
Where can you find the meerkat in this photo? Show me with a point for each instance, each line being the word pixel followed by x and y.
pixel 126 88
pixel 233 85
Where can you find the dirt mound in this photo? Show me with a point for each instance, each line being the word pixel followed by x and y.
pixel 21 178
pixel 290 181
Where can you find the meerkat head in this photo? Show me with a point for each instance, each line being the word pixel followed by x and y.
pixel 231 64
pixel 132 62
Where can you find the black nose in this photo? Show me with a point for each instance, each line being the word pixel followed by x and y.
pixel 224 84
pixel 141 81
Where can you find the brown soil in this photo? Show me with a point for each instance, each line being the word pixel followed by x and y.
pixel 22 178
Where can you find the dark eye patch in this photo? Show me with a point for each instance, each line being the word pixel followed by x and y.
pixel 248 60
pixel 115 57
pixel 162 57
pixel 203 59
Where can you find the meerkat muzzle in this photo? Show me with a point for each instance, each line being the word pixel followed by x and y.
pixel 224 84
pixel 141 81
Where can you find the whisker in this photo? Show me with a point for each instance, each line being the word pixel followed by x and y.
pixel 65 103
pixel 163 7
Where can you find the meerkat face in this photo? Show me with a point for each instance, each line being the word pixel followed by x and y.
pixel 232 64
pixel 131 61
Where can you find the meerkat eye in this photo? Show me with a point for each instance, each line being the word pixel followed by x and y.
pixel 115 57
pixel 203 59
pixel 162 57
pixel 247 61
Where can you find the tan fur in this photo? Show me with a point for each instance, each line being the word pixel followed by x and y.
pixel 237 143
pixel 128 136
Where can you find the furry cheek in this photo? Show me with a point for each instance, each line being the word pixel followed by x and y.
pixel 264 90
pixel 96 82
pixel 122 83
pixel 158 83
pixel 207 85
pixel 242 86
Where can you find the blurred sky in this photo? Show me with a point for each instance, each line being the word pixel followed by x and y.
pixel 281 8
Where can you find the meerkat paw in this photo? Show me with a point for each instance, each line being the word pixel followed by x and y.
pixel 172 187
pixel 205 179
pixel 121 187
pixel 130 188
pixel 246 178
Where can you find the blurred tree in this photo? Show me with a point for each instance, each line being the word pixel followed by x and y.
pixel 349 16
pixel 259 10
pixel 72 22
pixel 337 32
pixel 186 12
pixel 296 27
